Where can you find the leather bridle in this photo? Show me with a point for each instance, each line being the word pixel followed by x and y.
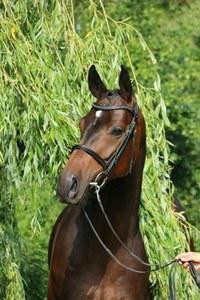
pixel 112 160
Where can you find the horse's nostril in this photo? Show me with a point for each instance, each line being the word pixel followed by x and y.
pixel 68 187
pixel 73 188
pixel 74 184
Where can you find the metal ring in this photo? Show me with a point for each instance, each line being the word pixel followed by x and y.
pixel 95 182
pixel 98 175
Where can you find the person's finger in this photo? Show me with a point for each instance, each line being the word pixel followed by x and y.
pixel 189 256
pixel 185 256
pixel 196 266
pixel 185 265
pixel 182 256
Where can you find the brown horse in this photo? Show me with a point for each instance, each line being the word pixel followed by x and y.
pixel 112 147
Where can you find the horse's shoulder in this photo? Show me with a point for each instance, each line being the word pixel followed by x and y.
pixel 64 213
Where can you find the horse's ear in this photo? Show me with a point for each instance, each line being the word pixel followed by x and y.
pixel 125 84
pixel 96 86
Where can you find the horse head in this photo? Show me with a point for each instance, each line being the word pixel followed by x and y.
pixel 110 141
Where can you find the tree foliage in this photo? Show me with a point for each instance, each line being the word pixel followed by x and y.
pixel 46 50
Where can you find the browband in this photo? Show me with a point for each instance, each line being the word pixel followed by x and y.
pixel 133 111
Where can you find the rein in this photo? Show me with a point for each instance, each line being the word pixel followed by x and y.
pixel 154 267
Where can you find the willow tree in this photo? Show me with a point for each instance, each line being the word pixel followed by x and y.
pixel 45 56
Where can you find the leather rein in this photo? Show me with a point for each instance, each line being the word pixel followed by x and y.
pixel 98 183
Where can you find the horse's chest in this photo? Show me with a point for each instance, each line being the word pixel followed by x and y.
pixel 106 290
pixel 111 285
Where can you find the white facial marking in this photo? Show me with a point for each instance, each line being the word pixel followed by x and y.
pixel 99 113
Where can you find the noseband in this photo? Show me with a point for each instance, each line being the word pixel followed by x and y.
pixel 112 160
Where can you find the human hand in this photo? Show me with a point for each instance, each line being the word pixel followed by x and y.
pixel 185 258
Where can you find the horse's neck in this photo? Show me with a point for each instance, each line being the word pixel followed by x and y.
pixel 121 197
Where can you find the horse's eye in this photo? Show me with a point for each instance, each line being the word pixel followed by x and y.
pixel 116 131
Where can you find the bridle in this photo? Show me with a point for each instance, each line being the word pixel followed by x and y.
pixel 112 160
pixel 98 183
pixel 107 165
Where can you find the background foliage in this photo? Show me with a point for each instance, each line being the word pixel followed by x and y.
pixel 46 50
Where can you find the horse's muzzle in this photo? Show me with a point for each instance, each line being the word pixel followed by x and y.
pixel 68 188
